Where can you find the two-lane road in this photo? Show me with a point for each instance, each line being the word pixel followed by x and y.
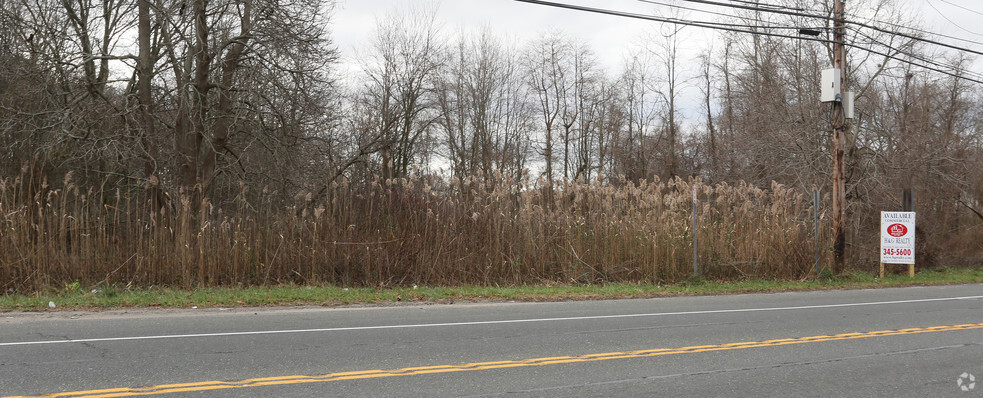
pixel 890 342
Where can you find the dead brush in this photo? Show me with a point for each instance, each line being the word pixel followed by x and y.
pixel 491 230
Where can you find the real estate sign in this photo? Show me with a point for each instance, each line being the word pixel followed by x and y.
pixel 897 237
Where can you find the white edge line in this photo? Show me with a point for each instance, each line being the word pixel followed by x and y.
pixel 506 321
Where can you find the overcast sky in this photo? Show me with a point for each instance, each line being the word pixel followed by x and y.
pixel 610 36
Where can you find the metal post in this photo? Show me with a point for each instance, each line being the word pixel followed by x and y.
pixel 908 204
pixel 815 226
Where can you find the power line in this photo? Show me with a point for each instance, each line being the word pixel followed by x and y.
pixel 921 59
pixel 724 15
pixel 825 18
pixel 915 29
pixel 929 2
pixel 760 4
pixel 771 7
pixel 918 38
pixel 758 8
pixel 732 29
pixel 677 21
pixel 959 6
pixel 833 19
pixel 684 8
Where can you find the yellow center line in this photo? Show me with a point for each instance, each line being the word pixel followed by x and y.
pixel 466 367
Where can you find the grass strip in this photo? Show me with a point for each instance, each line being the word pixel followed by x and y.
pixel 76 297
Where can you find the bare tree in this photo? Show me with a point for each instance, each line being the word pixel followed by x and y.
pixel 547 63
pixel 246 82
pixel 589 89
pixel 633 143
pixel 482 108
pixel 664 47
pixel 60 114
pixel 407 55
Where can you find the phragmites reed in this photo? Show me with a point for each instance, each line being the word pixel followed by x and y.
pixel 486 230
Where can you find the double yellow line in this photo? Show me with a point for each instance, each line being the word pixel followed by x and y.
pixel 369 374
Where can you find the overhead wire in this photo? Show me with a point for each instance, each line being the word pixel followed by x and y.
pixel 676 6
pixel 929 2
pixel 761 4
pixel 826 18
pixel 959 6
pixel 766 7
pixel 678 21
pixel 757 8
pixel 718 26
pixel 899 26
pixel 956 73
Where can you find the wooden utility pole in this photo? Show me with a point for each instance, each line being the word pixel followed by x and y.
pixel 839 142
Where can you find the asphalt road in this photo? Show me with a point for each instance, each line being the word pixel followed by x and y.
pixel 892 342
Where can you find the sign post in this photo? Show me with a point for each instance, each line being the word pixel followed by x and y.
pixel 898 239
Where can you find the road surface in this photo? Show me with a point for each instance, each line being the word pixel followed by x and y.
pixel 920 341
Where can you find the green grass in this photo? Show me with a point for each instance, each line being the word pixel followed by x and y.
pixel 72 296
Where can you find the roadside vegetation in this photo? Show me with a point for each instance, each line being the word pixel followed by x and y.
pixel 413 231
pixel 250 155
pixel 75 296
pixel 421 230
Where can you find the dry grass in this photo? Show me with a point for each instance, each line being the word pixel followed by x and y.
pixel 422 230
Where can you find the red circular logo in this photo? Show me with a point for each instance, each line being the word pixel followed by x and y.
pixel 897 230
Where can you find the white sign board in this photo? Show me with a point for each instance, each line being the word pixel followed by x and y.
pixel 897 237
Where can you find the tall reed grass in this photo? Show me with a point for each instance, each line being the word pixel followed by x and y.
pixel 420 230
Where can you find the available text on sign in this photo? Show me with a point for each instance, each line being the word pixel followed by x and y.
pixel 897 237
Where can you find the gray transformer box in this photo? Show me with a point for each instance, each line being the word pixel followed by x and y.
pixel 831 86
pixel 848 104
